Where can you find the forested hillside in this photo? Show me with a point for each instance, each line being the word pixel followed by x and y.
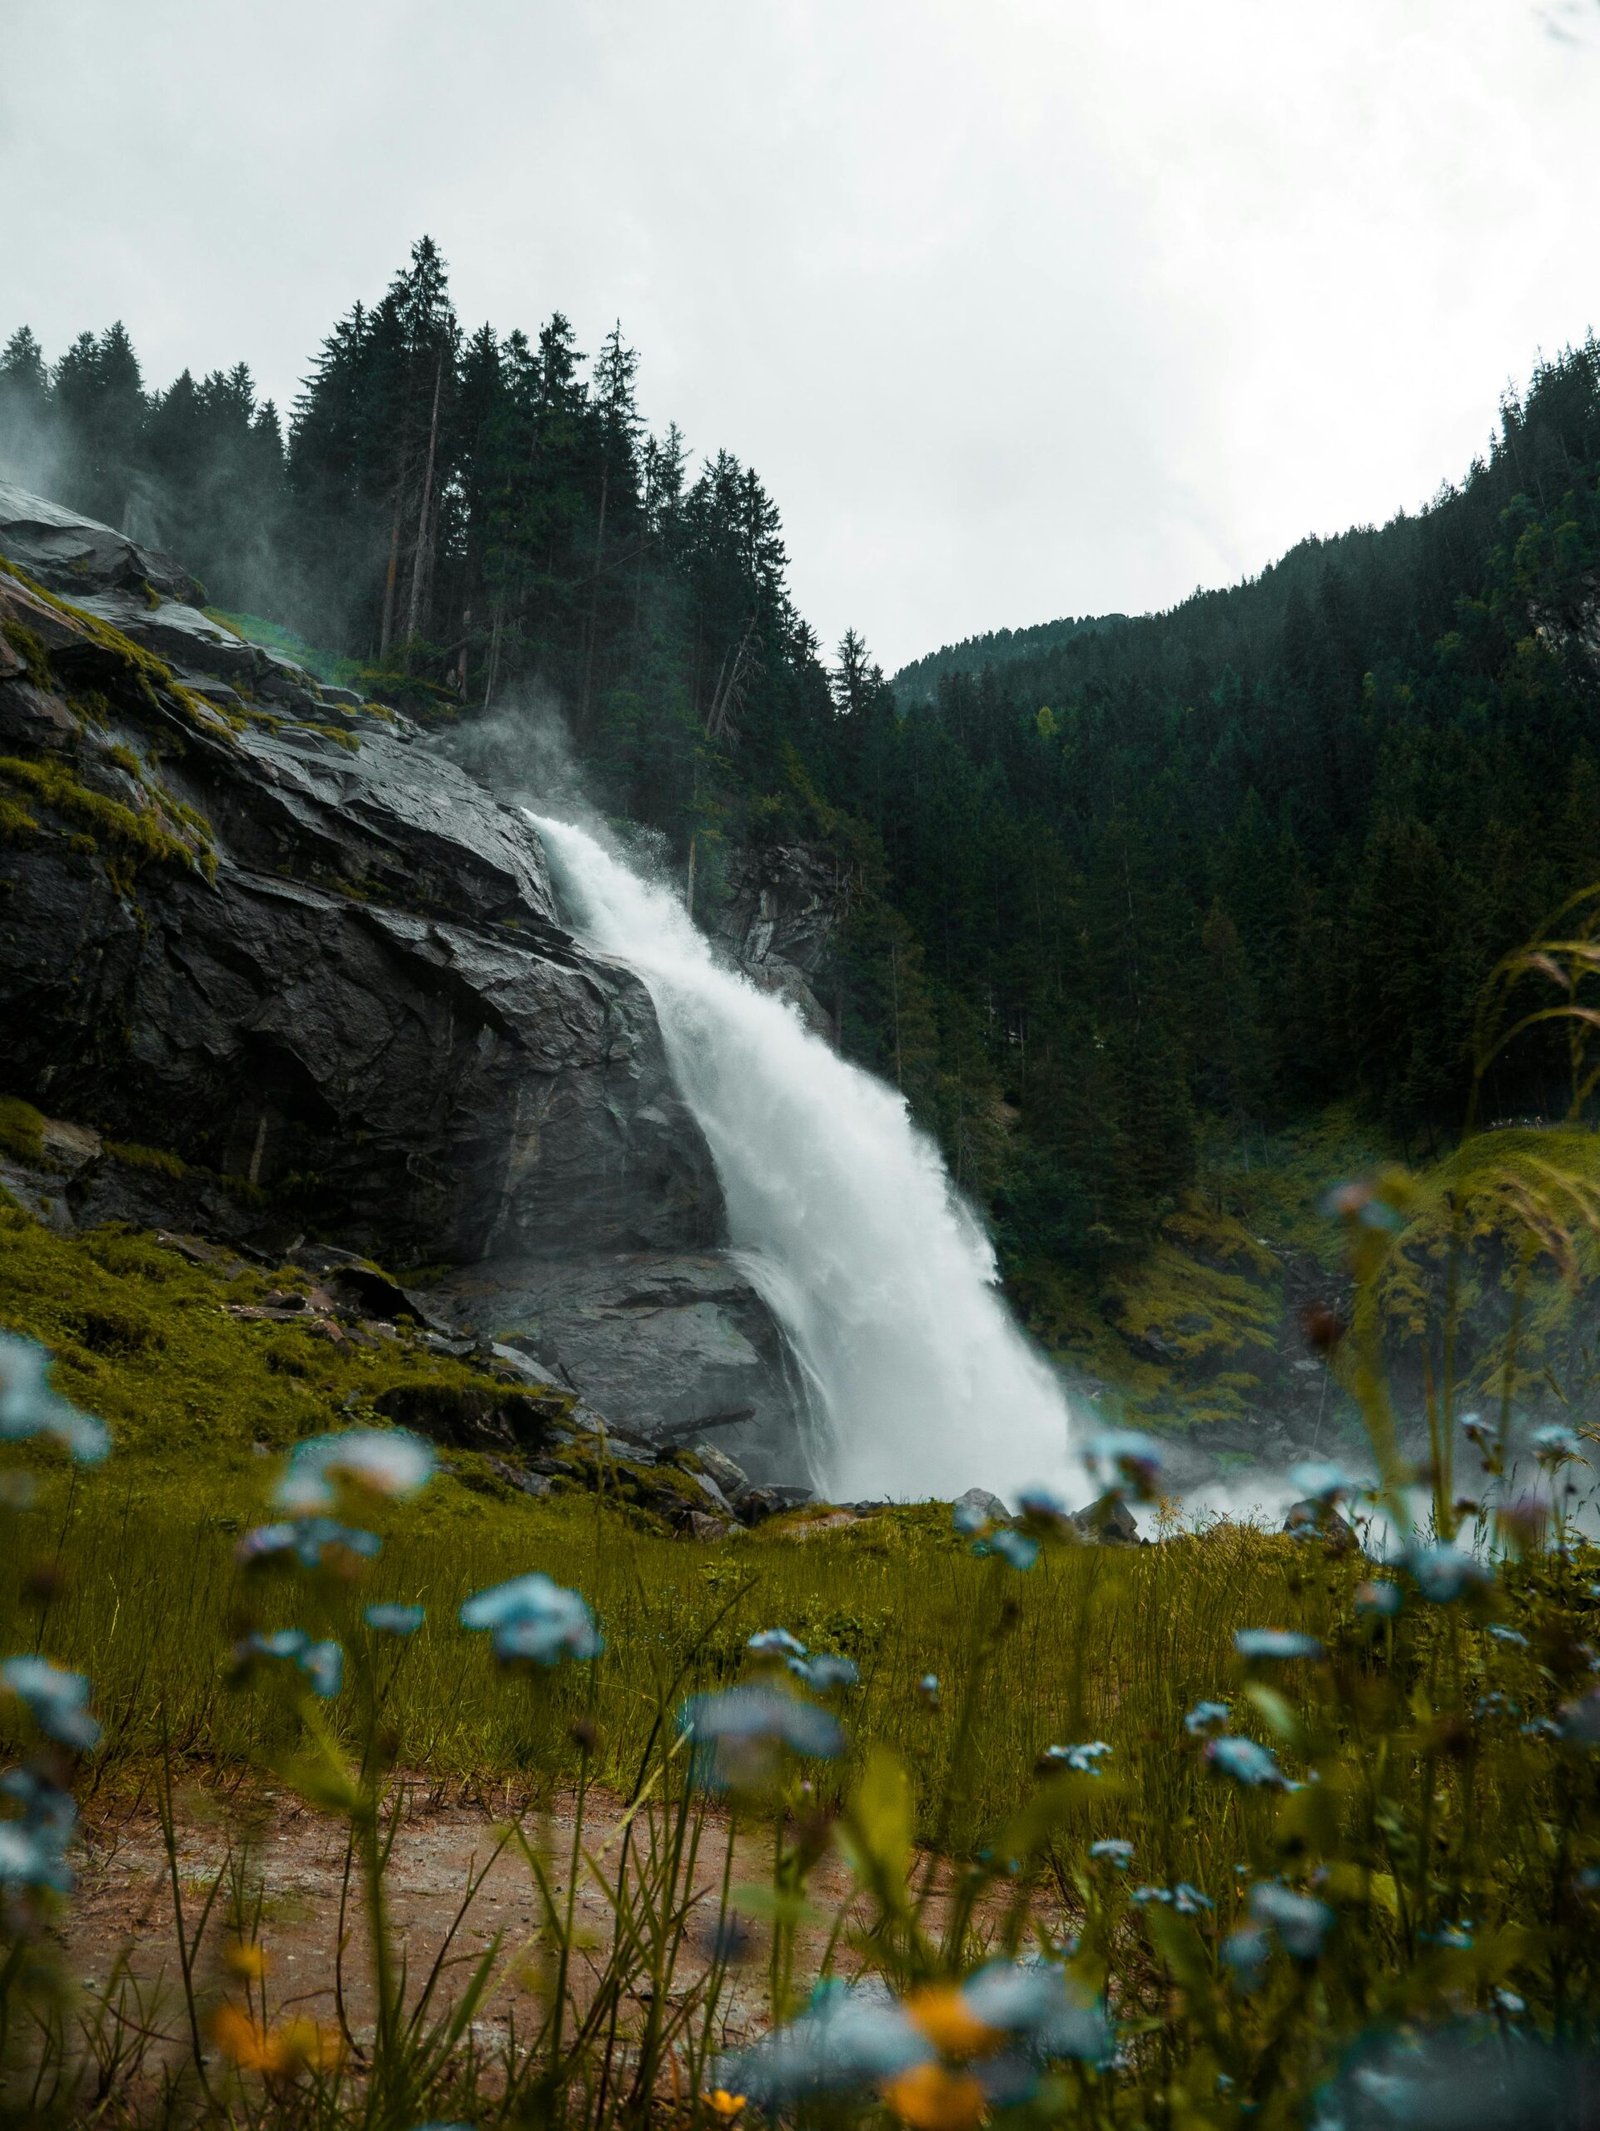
pixel 1114 887
pixel 919 681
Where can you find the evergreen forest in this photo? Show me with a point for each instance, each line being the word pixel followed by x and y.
pixel 1116 885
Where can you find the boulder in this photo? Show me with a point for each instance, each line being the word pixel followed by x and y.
pixel 356 1285
pixel 657 1341
pixel 80 557
pixel 699 1524
pixel 986 1505
pixel 731 1478
pixel 473 1417
pixel 757 1504
pixel 1108 1522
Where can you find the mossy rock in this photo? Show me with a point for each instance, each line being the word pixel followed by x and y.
pixel 142 835
pixel 475 1416
pixel 21 1130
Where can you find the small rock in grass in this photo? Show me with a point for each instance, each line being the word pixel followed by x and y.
pixel 717 1465
pixel 1319 1520
pixel 699 1524
pixel 1108 1522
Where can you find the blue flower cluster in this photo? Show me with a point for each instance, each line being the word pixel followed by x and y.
pixel 1444 1574
pixel 533 1620
pixel 394 1620
pixel 57 1700
pixel 1555 1445
pixel 320 1663
pixel 1028 2014
pixel 739 1733
pixel 40 1817
pixel 1362 1205
pixel 1276 1644
pixel 1205 1718
pixel 1015 1548
pixel 1082 1760
pixel 822 1671
pixel 33 1846
pixel 1019 1549
pixel 1125 1462
pixel 378 1461
pixel 308 1539
pixel 1299 1922
pixel 1253 1767
pixel 1320 1480
pixel 30 1409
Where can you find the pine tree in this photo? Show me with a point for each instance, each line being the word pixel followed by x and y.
pixel 28 444
pixel 99 401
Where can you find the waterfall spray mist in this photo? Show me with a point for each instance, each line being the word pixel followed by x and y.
pixel 842 1215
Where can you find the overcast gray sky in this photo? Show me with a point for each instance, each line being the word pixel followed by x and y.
pixel 1020 307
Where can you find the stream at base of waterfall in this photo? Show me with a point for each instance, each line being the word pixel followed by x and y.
pixel 841 1214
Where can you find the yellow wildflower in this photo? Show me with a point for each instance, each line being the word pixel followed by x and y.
pixel 940 2012
pixel 931 2098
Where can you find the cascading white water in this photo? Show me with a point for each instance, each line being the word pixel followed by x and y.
pixel 842 1214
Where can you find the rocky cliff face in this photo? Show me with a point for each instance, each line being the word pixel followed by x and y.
pixel 785 903
pixel 266 928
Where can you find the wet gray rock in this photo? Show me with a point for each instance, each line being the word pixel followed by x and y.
pixel 733 1480
pixel 511 1421
pixel 270 930
pixel 702 1525
pixel 713 1493
pixel 336 973
pixel 78 556
pixel 986 1505
pixel 1186 1464
pixel 1108 1522
pixel 785 904
pixel 658 1342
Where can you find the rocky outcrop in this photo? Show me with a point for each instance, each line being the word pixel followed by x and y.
pixel 671 1346
pixel 269 930
pixel 80 557
pixel 785 903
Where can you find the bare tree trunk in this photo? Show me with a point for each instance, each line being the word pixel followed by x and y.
pixel 386 631
pixel 494 660
pixel 594 603
pixel 420 560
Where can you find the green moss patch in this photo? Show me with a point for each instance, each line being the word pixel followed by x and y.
pixel 21 1130
pixel 138 833
pixel 148 1340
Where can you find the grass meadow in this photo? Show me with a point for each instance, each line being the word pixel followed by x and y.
pixel 1234 1828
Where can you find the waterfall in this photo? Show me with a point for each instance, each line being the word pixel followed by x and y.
pixel 842 1216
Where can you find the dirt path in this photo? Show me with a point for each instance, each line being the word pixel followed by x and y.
pixel 270 1862
pixel 281 1867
